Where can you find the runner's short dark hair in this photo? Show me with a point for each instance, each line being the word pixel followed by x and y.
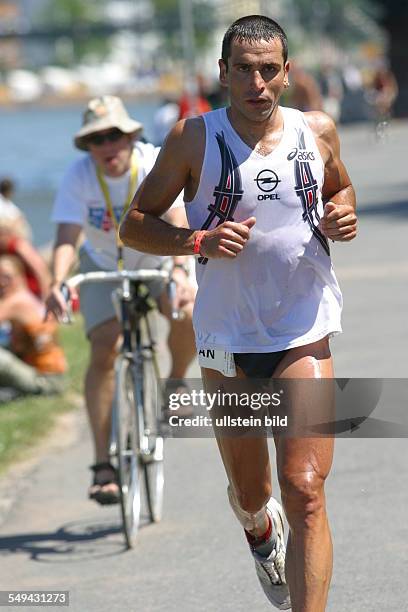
pixel 253 28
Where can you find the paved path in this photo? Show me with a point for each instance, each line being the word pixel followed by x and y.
pixel 196 559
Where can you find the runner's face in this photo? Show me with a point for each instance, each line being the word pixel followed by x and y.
pixel 256 77
pixel 113 157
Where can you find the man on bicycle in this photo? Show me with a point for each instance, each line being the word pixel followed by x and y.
pixel 94 195
pixel 264 190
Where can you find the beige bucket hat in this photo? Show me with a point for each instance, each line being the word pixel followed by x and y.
pixel 104 113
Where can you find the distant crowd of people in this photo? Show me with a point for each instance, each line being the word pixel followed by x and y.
pixel 346 94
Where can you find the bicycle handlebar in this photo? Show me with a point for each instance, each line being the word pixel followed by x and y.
pixel 102 277
pixel 132 275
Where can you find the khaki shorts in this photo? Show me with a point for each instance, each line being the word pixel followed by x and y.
pixel 96 298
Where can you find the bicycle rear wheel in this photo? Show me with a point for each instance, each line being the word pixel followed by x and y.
pixel 129 466
pixel 153 458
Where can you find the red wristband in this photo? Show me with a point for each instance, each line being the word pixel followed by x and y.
pixel 197 241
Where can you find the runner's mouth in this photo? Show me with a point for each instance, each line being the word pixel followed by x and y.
pixel 258 101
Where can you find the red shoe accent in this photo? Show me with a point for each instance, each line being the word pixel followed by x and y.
pixel 256 540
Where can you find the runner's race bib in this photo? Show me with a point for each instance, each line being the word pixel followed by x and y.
pixel 217 359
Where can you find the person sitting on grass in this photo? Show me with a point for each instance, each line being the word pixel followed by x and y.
pixel 12 242
pixel 35 363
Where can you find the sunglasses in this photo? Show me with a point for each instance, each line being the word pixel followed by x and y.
pixel 98 139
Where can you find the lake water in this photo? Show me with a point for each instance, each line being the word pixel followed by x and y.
pixel 36 147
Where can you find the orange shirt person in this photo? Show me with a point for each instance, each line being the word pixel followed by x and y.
pixel 192 103
pixel 35 362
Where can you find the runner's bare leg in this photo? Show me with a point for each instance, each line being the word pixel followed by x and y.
pixel 303 464
pixel 246 461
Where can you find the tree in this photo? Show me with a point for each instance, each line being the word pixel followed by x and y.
pixel 168 19
pixel 73 15
pixel 70 12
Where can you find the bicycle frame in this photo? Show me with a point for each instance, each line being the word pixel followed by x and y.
pixel 133 349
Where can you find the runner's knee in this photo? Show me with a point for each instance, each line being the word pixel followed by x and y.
pixel 302 495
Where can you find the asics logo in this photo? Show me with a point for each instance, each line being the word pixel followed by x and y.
pixel 301 155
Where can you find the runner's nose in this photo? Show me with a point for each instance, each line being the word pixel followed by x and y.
pixel 258 84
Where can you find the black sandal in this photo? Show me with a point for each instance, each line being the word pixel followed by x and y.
pixel 104 498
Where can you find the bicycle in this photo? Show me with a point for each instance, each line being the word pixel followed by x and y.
pixel 136 444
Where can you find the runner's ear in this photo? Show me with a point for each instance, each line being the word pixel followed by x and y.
pixel 223 73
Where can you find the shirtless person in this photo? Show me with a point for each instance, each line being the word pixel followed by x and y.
pixel 264 190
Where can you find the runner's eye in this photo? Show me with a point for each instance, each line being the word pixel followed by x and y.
pixel 270 68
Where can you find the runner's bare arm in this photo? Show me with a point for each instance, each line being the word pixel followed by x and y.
pixel 175 169
pixel 142 227
pixel 339 222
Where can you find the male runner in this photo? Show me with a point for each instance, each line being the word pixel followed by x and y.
pixel 94 194
pixel 255 178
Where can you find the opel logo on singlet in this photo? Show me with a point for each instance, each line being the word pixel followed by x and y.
pixel 267 180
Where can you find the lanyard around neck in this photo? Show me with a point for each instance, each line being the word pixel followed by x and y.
pixel 131 192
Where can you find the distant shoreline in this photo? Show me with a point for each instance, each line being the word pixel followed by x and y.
pixel 58 101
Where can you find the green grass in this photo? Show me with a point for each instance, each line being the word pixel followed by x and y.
pixel 25 421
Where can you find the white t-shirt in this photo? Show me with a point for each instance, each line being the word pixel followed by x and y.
pixel 80 200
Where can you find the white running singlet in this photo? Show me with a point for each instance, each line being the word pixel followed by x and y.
pixel 281 290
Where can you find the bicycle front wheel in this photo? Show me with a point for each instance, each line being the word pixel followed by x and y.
pixel 153 458
pixel 129 467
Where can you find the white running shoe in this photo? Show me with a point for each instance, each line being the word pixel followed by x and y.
pixel 271 570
